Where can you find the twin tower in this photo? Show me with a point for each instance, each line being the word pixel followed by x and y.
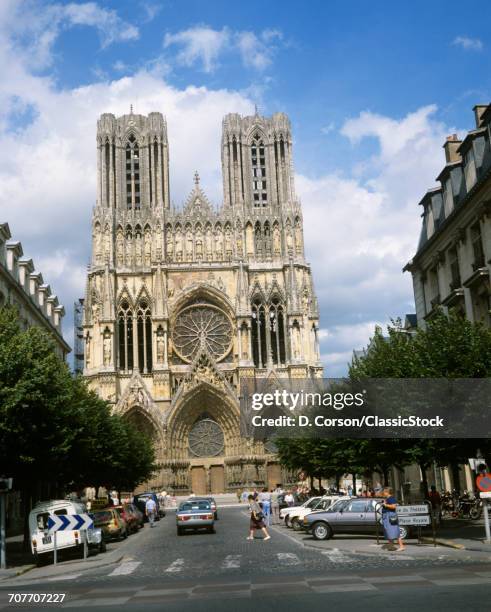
pixel 182 303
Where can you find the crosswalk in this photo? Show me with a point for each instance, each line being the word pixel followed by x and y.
pixel 127 567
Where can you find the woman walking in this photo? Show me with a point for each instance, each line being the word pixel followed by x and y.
pixel 257 519
pixel 390 521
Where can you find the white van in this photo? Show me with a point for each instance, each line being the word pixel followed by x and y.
pixel 42 542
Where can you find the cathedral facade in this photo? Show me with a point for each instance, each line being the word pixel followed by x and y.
pixel 181 304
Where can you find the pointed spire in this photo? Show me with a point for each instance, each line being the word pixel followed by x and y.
pixel 196 178
pixel 242 289
pixel 160 304
pixel 131 109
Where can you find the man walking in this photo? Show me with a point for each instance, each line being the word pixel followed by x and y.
pixel 151 511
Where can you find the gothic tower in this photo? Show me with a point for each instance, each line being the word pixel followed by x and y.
pixel 181 304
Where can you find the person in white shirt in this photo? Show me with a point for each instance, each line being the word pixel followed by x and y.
pixel 289 499
pixel 151 510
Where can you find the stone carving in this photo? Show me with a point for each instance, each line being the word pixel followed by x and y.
pixel 138 248
pixel 148 246
pixel 276 239
pixel 160 345
pixel 119 248
pixel 206 439
pixel 97 241
pixel 107 351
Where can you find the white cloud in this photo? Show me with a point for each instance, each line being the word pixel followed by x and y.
pixel 467 43
pixel 33 28
pixel 327 129
pixel 205 45
pixel 199 44
pixel 361 230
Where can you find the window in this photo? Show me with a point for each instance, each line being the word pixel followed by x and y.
pixel 277 332
pixel 144 333
pixel 454 268
pixel 258 160
pixel 259 334
pixel 359 505
pixel 125 337
pixel 268 337
pixel 132 173
pixel 477 247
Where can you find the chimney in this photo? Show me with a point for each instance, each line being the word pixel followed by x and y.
pixel 478 113
pixel 451 145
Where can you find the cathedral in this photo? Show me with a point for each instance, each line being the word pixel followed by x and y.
pixel 181 304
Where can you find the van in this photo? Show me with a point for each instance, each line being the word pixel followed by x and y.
pixel 42 542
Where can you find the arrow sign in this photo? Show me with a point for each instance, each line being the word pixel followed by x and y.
pixel 69 522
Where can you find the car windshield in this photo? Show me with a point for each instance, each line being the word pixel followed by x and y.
pixel 339 505
pixel 102 517
pixel 198 505
pixel 312 503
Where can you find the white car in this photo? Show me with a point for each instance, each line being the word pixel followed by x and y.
pixel 285 512
pixel 295 516
pixel 42 542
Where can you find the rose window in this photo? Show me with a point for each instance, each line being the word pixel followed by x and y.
pixel 202 325
pixel 206 439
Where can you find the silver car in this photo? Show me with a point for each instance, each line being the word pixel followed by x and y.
pixel 195 514
pixel 354 515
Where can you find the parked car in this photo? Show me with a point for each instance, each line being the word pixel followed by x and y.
pixel 195 514
pixel 354 515
pixel 212 502
pixel 138 515
pixel 295 517
pixel 42 542
pixel 310 503
pixel 141 499
pixel 128 516
pixel 113 525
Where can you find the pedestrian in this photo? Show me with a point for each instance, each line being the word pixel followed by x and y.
pixel 265 500
pixel 257 519
pixel 436 503
pixel 275 507
pixel 151 510
pixel 289 499
pixel 390 521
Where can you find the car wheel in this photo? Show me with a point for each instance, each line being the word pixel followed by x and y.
pixel 102 547
pixel 287 521
pixel 125 534
pixel 296 524
pixel 321 531
pixel 403 532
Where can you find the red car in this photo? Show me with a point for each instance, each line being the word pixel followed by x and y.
pixel 129 517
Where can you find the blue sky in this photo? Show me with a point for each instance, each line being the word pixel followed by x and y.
pixel 372 89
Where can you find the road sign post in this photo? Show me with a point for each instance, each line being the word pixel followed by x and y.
pixel 55 552
pixel 70 522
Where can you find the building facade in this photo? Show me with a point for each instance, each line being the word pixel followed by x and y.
pixel 181 304
pixel 23 287
pixel 452 265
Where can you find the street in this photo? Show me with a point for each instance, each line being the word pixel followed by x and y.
pixel 159 570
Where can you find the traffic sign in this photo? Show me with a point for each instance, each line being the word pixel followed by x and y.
pixel 485 495
pixel 422 519
pixel 69 522
pixel 422 509
pixel 483 482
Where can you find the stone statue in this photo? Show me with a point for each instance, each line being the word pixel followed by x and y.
pixel 129 249
pixel 138 249
pixel 169 244
pixel 178 244
pixel 158 243
pixel 189 245
pixel 107 348
pixel 199 245
pixel 228 242
pixel 160 346
pixel 97 242
pixel 95 312
pixel 87 350
pixel 289 238
pixel 148 246
pixel 240 245
pixel 209 243
pixel 218 243
pixel 276 239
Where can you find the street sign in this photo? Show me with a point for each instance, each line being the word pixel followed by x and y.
pixel 485 495
pixel 69 522
pixel 422 509
pixel 483 482
pixel 98 504
pixel 422 519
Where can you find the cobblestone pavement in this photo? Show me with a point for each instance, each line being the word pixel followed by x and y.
pixel 158 566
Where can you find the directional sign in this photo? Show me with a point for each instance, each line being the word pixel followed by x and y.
pixel 69 522
pixel 422 519
pixel 483 482
pixel 422 509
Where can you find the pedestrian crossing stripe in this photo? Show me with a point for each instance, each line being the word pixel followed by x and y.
pixel 175 566
pixel 127 567
pixel 231 562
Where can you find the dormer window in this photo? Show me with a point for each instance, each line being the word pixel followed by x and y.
pixel 469 169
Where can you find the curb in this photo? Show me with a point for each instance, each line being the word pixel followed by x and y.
pixel 17 572
pixel 447 543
